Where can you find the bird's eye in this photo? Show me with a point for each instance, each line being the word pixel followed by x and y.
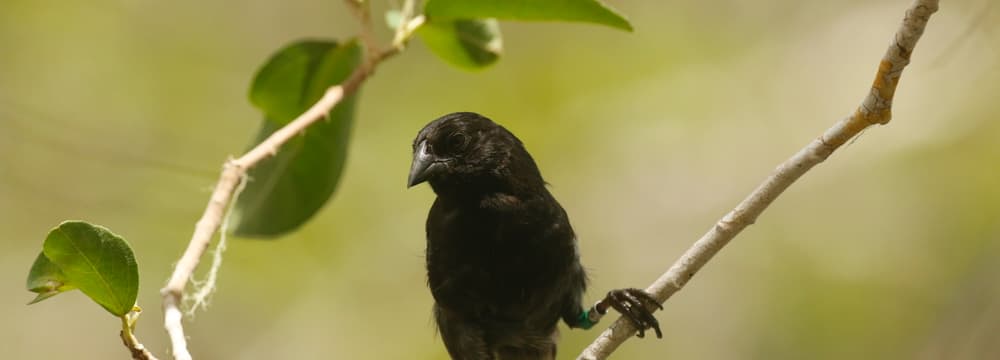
pixel 456 142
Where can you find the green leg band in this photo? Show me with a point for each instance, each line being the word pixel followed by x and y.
pixel 586 321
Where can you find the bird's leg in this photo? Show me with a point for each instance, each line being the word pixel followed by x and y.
pixel 633 304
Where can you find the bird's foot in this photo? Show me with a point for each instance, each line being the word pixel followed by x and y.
pixel 633 304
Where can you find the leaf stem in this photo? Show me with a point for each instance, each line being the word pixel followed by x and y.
pixel 408 24
pixel 133 345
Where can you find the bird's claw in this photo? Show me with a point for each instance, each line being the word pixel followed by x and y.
pixel 634 304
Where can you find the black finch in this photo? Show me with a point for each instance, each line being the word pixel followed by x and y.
pixel 502 261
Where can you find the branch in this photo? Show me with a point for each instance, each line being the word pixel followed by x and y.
pixel 874 109
pixel 362 11
pixel 234 173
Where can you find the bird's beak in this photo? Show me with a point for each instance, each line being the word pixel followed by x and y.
pixel 424 164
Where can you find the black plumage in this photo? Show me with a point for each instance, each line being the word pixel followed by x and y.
pixel 502 258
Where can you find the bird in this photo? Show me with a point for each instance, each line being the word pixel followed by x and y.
pixel 503 265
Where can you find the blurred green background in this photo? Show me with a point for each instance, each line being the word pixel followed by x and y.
pixel 120 112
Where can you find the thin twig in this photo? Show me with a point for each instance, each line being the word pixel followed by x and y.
pixel 234 170
pixel 203 290
pixel 874 109
pixel 408 23
pixel 362 11
pixel 127 334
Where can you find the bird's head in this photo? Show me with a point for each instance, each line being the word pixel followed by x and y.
pixel 466 151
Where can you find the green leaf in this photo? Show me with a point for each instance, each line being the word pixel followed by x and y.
pixel 91 258
pixel 46 279
pixel 469 44
pixel 296 77
pixel 286 190
pixel 591 11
